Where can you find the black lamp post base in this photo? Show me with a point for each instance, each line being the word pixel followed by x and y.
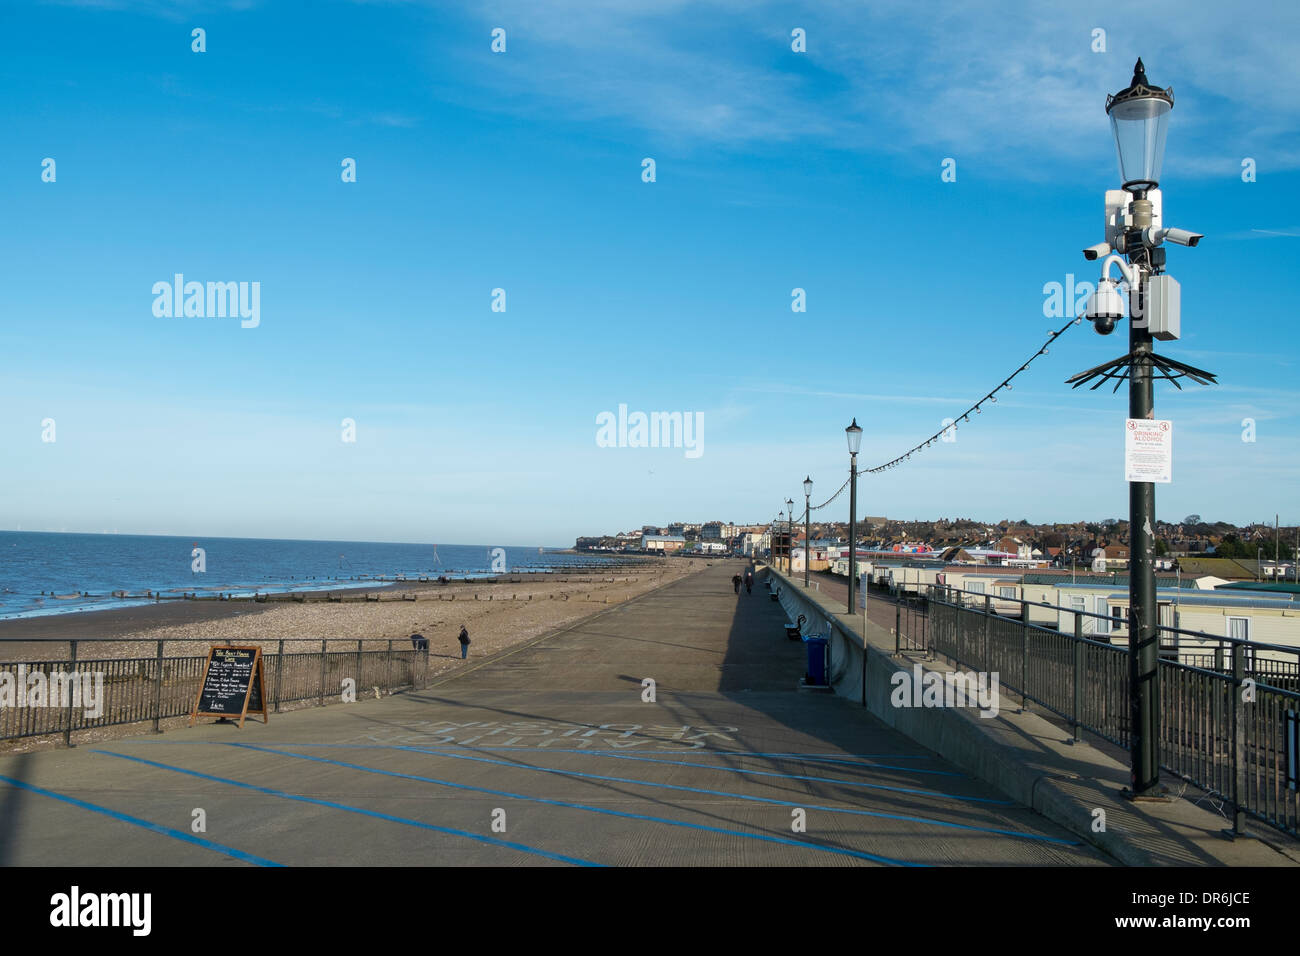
pixel 1158 794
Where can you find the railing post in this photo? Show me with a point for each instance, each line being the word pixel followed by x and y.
pixel 359 665
pixel 985 651
pixel 388 667
pixel 279 673
pixel 1077 716
pixel 322 673
pixel 898 619
pixel 1238 737
pixel 157 691
pixel 67 730
pixel 1216 709
pixel 1024 657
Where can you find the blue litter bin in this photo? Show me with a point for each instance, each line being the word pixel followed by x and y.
pixel 816 659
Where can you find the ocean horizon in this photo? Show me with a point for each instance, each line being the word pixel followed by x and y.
pixel 50 572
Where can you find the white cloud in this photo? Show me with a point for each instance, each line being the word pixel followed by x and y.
pixel 1010 86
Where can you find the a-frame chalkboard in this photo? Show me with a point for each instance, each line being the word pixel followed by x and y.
pixel 233 684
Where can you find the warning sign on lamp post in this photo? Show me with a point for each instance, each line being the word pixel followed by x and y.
pixel 1148 450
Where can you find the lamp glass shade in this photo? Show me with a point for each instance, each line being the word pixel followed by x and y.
pixel 1139 126
pixel 854 435
pixel 807 487
pixel 1139 118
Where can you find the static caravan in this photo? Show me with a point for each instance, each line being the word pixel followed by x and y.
pixel 1001 586
pixel 1264 619
pixel 1044 604
pixel 912 581
pixel 1106 600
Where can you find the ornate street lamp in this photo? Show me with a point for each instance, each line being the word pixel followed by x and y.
pixel 807 524
pixel 789 536
pixel 1139 116
pixel 854 436
pixel 776 541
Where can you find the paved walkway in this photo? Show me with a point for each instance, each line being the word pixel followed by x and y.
pixel 549 755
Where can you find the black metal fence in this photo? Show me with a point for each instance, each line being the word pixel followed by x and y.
pixel 43 698
pixel 1229 722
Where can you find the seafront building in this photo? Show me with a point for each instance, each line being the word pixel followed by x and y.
pixel 666 543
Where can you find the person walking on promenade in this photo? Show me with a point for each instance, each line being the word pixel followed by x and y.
pixel 464 642
pixel 735 582
pixel 749 581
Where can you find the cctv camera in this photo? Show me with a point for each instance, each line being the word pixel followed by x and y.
pixel 1183 237
pixel 1105 305
pixel 1095 252
pixel 1153 237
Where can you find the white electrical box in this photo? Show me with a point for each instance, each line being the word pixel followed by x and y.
pixel 1164 300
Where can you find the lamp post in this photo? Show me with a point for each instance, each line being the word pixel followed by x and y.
pixel 1139 115
pixel 776 541
pixel 854 435
pixel 789 536
pixel 807 532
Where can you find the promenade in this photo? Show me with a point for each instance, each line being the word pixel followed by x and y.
pixel 548 753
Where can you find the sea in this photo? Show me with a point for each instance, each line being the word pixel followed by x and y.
pixel 50 573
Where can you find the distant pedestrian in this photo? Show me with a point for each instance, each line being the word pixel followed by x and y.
pixel 735 582
pixel 419 642
pixel 464 642
pixel 749 582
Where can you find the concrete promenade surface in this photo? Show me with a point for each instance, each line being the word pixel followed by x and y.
pixel 554 741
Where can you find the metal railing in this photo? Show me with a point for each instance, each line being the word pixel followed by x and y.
pixel 38 699
pixel 1229 722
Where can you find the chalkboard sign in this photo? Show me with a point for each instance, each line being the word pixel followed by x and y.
pixel 232 685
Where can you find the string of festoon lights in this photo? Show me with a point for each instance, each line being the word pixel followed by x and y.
pixel 975 409
pixel 990 397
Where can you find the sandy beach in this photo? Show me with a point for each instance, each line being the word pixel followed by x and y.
pixel 497 615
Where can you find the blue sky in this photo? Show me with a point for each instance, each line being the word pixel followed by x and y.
pixel 522 171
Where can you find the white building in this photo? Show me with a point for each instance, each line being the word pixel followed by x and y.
pixel 662 542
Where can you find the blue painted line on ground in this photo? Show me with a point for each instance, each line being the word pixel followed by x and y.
pixel 359 810
pixel 852 763
pixel 766 838
pixel 585 750
pixel 700 753
pixel 800 776
pixel 145 824
pixel 765 800
pixel 825 758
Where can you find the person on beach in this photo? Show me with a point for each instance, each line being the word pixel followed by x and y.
pixel 735 582
pixel 464 642
pixel 419 642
